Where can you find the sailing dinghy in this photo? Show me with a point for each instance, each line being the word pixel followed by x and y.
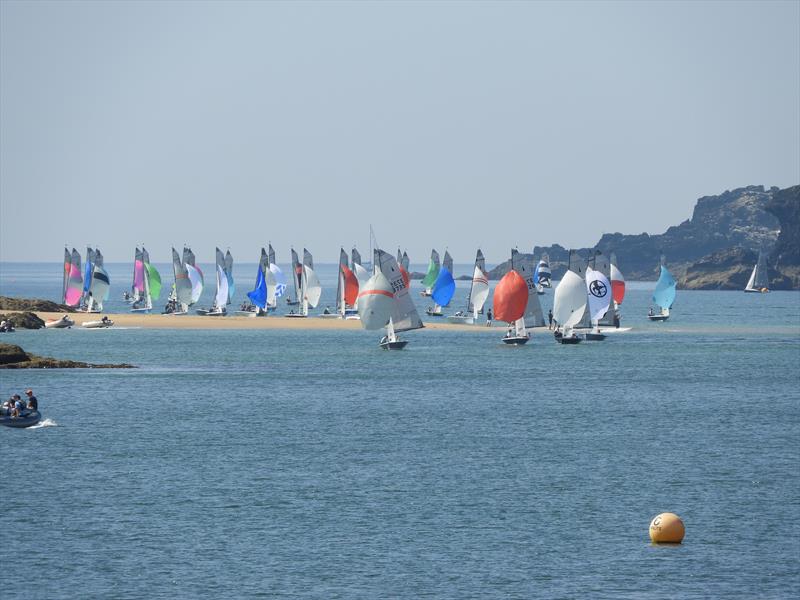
pixel 510 300
pixel 598 290
pixel 478 293
pixel 385 301
pixel 569 305
pixel 758 282
pixel 663 295
pixel 347 289
pixel 151 285
pixel 443 288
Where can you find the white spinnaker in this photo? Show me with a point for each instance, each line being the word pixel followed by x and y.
pixel 197 282
pixel 598 290
pixel 272 285
pixel 375 302
pixel 222 287
pixel 313 287
pixel 480 290
pixel 99 286
pixel 569 300
pixel 361 274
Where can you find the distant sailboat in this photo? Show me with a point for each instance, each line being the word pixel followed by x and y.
pixel 137 283
pixel 602 263
pixel 151 285
pixel 297 280
pixel 100 284
pixel 218 308
pixel 228 268
pixel 432 274
pixel 598 289
pixel 88 267
pixel 443 288
pixel 663 295
pixel 385 301
pixel 258 296
pixel 307 284
pixel 759 281
pixel 347 289
pixel 569 306
pixel 181 296
pixel 73 278
pixel 509 303
pixel 542 275
pixel 478 293
pixel 617 287
pixel 278 279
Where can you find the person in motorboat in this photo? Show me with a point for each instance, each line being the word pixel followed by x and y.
pixel 5 409
pixel 650 312
pixel 17 407
pixel 105 319
pixel 33 403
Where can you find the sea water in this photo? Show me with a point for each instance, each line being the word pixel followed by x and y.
pixel 301 463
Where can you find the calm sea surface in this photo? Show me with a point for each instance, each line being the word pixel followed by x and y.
pixel 311 464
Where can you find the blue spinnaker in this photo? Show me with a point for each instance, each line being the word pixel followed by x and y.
pixel 87 276
pixel 259 295
pixel 443 288
pixel 664 294
pixel 536 274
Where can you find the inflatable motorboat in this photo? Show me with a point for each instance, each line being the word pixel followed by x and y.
pixel 26 419
pixel 63 323
pixel 97 324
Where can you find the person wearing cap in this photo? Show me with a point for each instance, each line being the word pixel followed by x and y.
pixel 33 403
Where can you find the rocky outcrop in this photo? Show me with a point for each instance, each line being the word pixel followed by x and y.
pixel 14 357
pixel 726 270
pixel 35 305
pixel 785 256
pixel 23 320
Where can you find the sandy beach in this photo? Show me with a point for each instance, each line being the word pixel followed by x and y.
pixel 159 321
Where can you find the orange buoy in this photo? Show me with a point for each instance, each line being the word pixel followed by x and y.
pixel 667 528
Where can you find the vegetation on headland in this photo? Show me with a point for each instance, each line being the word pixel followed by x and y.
pixel 14 357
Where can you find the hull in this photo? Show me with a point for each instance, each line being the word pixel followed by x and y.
pixel 295 316
pixel 572 339
pixel 395 345
pixel 461 319
pixel 59 324
pixel 210 313
pixel 755 291
pixel 425 294
pixel 23 421
pixel 433 313
pixel 593 336
pixel 516 340
pixel 658 317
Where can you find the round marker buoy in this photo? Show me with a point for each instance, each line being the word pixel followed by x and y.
pixel 667 528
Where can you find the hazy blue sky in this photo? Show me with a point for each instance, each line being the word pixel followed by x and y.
pixel 443 124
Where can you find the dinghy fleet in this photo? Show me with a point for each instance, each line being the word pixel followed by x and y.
pixel 586 303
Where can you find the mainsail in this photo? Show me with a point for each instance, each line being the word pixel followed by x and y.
pixel 577 265
pixel 759 280
pixel 479 286
pixel 229 275
pixel 66 271
pixel 310 286
pixel 221 297
pixel 72 297
pixel 183 285
pixel 297 279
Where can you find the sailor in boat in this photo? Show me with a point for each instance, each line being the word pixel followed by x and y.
pixel 126 296
pixel 616 319
pixel 327 311
pixel 33 403
pixel 489 317
pixel 550 318
pixel 105 321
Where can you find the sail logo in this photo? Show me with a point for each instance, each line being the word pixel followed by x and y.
pixel 598 289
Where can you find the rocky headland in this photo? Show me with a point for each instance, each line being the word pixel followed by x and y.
pixel 33 305
pixel 14 357
pixel 23 320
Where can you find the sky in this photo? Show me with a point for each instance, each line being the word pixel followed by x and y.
pixel 441 124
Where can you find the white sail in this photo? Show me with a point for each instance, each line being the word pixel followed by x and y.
pixel 313 289
pixel 99 287
pixel 375 302
pixel 752 279
pixel 598 290
pixel 280 281
pixel 479 292
pixel 222 288
pixel 196 279
pixel 569 300
pixel 523 264
pixel 361 274
pixel 272 285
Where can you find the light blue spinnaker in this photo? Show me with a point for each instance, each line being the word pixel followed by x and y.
pixel 443 288
pixel 664 294
pixel 259 295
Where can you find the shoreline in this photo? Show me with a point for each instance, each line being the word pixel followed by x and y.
pixel 159 321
